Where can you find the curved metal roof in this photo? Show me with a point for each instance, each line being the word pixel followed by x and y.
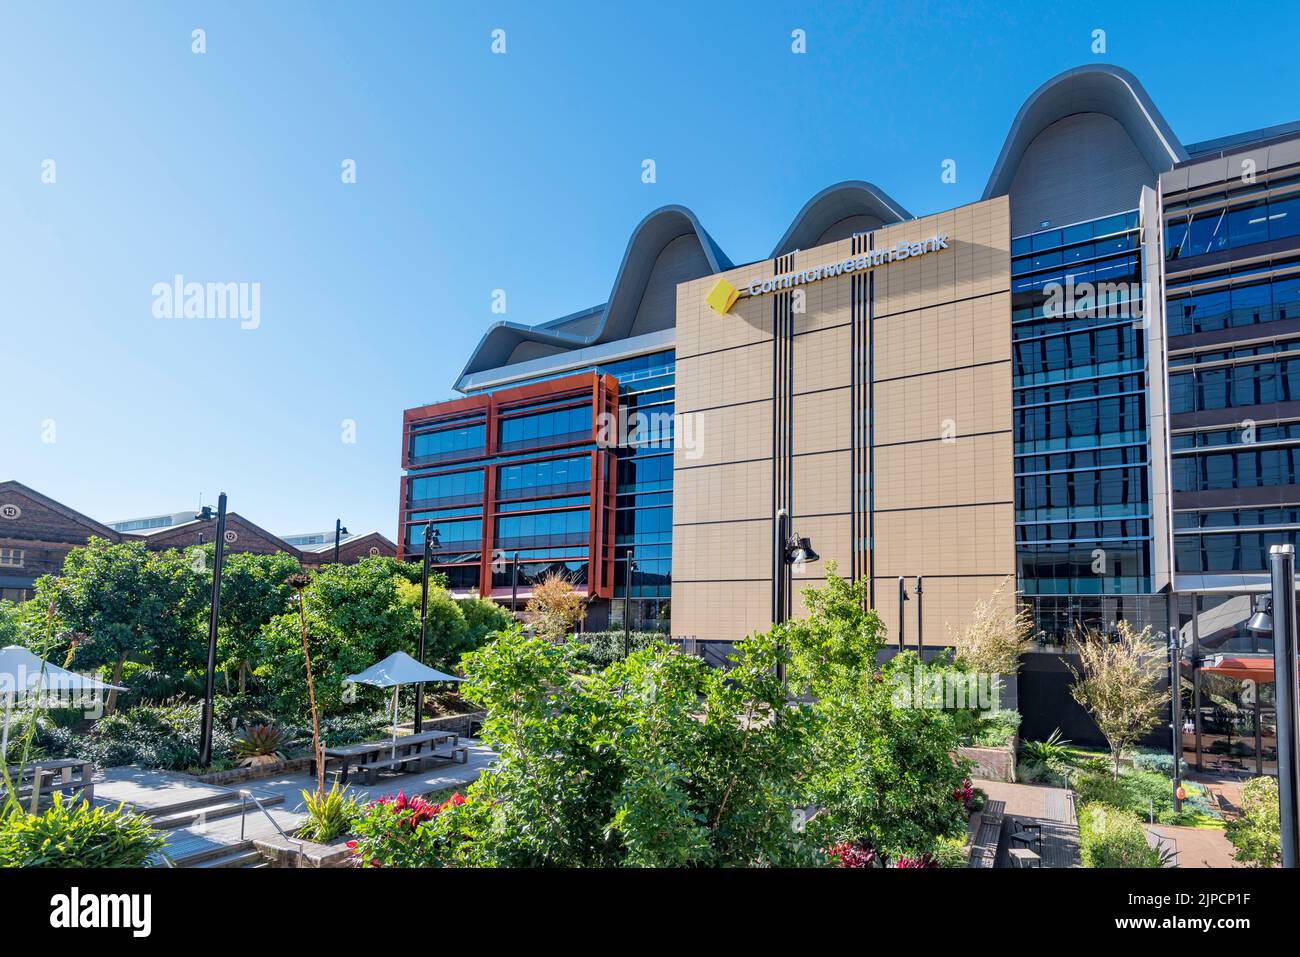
pixel 852 197
pixel 1096 88
pixel 648 240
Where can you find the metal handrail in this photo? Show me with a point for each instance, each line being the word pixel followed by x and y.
pixel 245 796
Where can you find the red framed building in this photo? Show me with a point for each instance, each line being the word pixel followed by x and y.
pixel 520 471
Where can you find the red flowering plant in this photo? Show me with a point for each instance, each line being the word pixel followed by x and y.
pixel 401 832
pixel 964 794
pixel 925 861
pixel 853 854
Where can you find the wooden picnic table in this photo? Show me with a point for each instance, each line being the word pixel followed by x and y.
pixel 43 777
pixel 407 747
pixel 1024 857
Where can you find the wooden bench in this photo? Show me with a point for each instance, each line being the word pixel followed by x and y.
pixel 984 850
pixel 37 783
pixel 371 769
pixel 1024 857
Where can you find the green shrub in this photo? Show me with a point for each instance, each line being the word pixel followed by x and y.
pixel 602 648
pixel 76 835
pixel 1141 792
pixel 163 738
pixel 951 852
pixel 1257 833
pixel 404 832
pixel 996 729
pixel 1162 762
pixel 1110 837
pixel 329 815
pixel 1053 754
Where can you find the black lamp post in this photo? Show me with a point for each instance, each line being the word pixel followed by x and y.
pixel 339 531
pixel 920 622
pixel 514 585
pixel 1278 615
pixel 627 603
pixel 431 541
pixel 210 687
pixel 902 617
pixel 789 550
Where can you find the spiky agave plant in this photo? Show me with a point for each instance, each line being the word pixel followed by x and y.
pixel 1054 753
pixel 259 744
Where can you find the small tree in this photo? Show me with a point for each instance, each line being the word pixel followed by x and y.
pixel 998 634
pixel 1120 685
pixel 880 766
pixel 299 583
pixel 1257 833
pixel 556 607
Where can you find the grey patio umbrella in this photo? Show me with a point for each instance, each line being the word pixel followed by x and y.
pixel 23 673
pixel 396 670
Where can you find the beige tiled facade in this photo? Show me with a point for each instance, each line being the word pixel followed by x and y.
pixel 784 387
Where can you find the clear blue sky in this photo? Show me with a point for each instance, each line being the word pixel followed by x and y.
pixel 474 172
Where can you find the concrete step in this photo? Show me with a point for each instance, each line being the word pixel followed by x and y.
pixel 176 807
pixel 249 858
pixel 211 809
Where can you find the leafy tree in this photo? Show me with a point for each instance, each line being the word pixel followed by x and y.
pixel 254 589
pixel 881 771
pixel 118 602
pixel 1257 833
pixel 448 631
pixel 1120 685
pixel 658 760
pixel 9 624
pixel 556 607
pixel 483 618
pixel 999 632
pixel 354 617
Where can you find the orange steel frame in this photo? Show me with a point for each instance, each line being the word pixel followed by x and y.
pixel 601 391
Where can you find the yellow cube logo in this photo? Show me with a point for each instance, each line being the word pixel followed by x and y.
pixel 722 297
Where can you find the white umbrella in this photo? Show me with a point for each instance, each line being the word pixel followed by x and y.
pixel 22 672
pixel 396 670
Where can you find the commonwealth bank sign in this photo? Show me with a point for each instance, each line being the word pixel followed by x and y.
pixel 723 296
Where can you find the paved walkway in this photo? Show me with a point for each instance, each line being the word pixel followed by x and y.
pixel 1198 846
pixel 1050 808
pixel 153 791
pixel 416 784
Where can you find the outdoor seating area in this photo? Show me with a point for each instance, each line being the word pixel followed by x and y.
pixel 36 784
pixel 414 752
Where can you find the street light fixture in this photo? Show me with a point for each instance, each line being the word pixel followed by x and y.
pixel 339 532
pixel 790 549
pixel 431 541
pixel 1262 619
pixel 920 622
pixel 514 585
pixel 627 603
pixel 1285 680
pixel 902 612
pixel 210 686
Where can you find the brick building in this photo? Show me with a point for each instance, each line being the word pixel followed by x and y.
pixel 36 534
